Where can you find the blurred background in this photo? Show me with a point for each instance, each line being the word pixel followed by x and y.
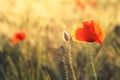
pixel 40 56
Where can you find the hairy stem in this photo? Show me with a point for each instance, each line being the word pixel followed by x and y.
pixel 91 61
pixel 66 68
pixel 70 62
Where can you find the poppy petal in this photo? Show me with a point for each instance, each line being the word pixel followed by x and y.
pixel 88 31
pixel 18 36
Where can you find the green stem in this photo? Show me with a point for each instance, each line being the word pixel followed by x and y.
pixel 66 68
pixel 70 62
pixel 92 63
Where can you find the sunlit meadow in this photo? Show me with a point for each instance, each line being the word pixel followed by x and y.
pixel 36 41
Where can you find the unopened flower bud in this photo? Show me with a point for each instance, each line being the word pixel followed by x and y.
pixel 62 49
pixel 66 36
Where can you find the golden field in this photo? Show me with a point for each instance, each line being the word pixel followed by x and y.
pixel 40 57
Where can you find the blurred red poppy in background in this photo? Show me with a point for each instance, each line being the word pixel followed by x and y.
pixel 92 3
pixel 18 36
pixel 88 31
pixel 80 4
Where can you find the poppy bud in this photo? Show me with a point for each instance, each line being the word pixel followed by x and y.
pixel 62 50
pixel 66 36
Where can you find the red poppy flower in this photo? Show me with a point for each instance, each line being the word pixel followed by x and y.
pixel 92 3
pixel 80 4
pixel 18 36
pixel 88 31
